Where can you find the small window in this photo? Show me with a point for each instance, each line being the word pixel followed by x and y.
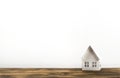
pixel 94 64
pixel 86 64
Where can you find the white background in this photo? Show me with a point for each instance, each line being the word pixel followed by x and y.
pixel 56 33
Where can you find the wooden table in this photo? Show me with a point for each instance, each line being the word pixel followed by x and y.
pixel 58 73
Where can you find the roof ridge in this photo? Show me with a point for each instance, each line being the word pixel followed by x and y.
pixel 90 49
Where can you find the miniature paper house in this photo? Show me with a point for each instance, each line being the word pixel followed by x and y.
pixel 90 61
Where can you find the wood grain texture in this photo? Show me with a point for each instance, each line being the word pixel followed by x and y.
pixel 58 73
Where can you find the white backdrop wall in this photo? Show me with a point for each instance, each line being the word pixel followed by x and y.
pixel 56 33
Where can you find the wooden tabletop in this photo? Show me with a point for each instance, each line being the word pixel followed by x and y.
pixel 58 73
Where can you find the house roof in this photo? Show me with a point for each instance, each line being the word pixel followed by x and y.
pixel 92 52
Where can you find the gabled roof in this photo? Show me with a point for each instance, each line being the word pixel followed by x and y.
pixel 92 52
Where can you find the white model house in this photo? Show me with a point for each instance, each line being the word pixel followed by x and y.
pixel 90 61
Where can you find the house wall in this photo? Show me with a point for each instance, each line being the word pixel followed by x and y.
pixel 98 67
